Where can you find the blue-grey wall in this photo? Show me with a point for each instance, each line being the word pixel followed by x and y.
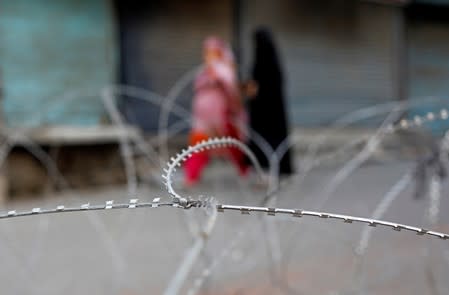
pixel 429 65
pixel 51 48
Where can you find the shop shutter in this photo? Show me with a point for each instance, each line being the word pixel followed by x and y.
pixel 428 35
pixel 161 41
pixel 337 55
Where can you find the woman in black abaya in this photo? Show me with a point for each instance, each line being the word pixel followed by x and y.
pixel 266 108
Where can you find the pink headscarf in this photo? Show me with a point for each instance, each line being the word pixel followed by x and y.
pixel 215 43
pixel 217 100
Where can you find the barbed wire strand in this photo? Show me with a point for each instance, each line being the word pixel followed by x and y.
pixel 226 251
pixel 271 234
pixel 341 175
pixel 52 169
pixel 144 95
pixel 442 115
pixel 434 187
pixel 167 108
pixel 200 147
pixel 265 148
pixel 332 216
pixel 11 139
pixel 434 192
pixel 127 152
pixel 182 200
pixel 124 143
pixel 365 236
pixel 184 203
pixel 172 94
pixel 417 121
pixel 192 255
pixel 214 143
pixel 374 141
pixel 246 210
pixel 359 159
pixel 140 143
pixel 389 129
pixel 380 211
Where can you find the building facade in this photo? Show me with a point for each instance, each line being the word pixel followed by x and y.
pixel 338 56
pixel 55 56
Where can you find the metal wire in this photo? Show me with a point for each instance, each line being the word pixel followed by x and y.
pixel 332 216
pixel 132 204
pixel 417 121
pixel 181 202
pixel 213 143
pixel 443 115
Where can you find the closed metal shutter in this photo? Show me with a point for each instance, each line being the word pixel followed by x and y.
pixel 164 42
pixel 337 55
pixel 428 35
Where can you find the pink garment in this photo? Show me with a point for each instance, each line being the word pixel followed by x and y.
pixel 210 104
pixel 217 100
pixel 217 108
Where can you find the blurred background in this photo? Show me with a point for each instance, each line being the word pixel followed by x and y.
pixel 338 57
pixel 96 95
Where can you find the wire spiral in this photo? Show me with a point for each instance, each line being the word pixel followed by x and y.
pixel 213 143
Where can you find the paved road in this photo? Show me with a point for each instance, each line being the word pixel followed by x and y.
pixel 138 251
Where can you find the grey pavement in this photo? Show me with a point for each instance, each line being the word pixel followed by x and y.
pixel 138 251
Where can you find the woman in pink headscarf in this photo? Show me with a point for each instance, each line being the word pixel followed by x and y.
pixel 217 108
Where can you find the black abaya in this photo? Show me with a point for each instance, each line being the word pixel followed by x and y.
pixel 267 110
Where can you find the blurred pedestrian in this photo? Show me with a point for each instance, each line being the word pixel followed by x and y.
pixel 217 108
pixel 267 115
